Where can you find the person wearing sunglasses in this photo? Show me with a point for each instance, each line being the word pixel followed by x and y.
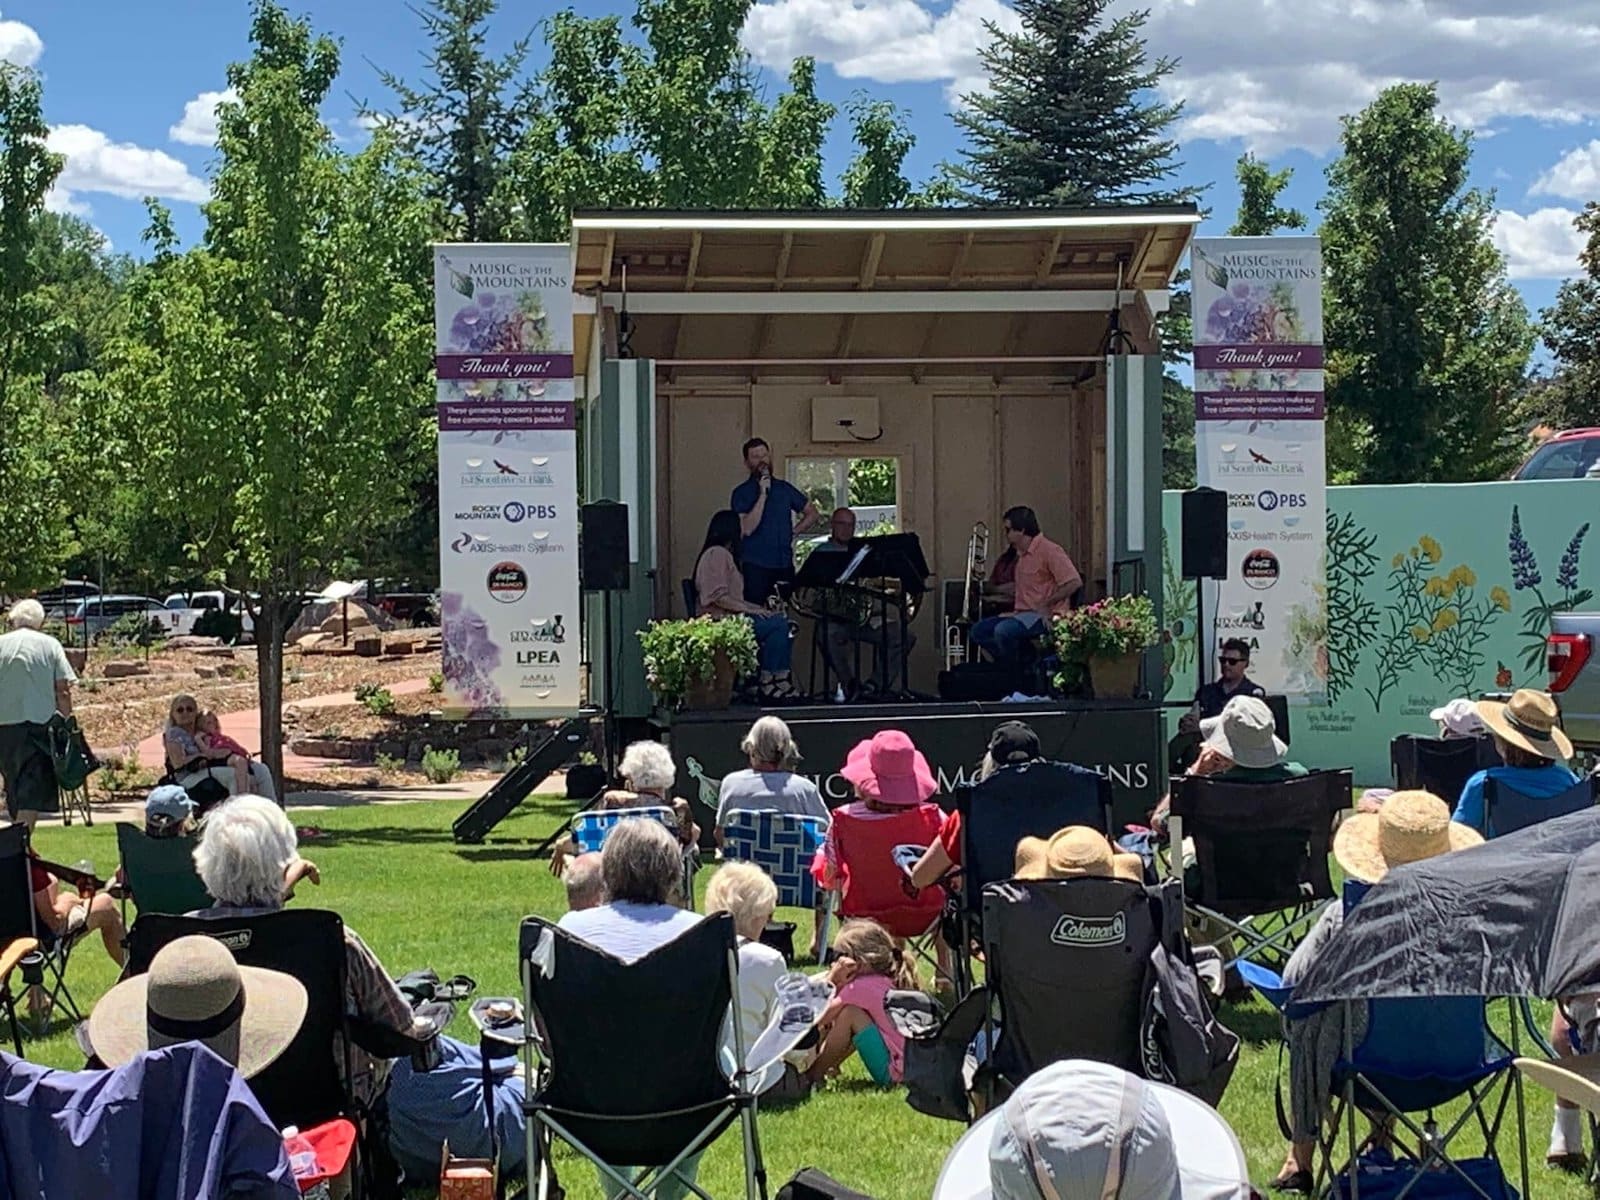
pixel 1233 661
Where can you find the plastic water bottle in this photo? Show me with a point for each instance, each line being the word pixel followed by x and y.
pixel 838 693
pixel 302 1159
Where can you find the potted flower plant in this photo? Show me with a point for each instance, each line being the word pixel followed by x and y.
pixel 1101 645
pixel 693 664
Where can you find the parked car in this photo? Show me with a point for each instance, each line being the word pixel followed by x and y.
pixel 1573 655
pixel 1570 454
pixel 59 601
pixel 191 606
pixel 94 615
pixel 405 602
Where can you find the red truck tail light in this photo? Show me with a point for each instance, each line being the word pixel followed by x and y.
pixel 1566 654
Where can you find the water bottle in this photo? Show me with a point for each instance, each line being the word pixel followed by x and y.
pixel 302 1159
pixel 838 694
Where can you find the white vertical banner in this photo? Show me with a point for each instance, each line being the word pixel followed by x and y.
pixel 508 479
pixel 1259 436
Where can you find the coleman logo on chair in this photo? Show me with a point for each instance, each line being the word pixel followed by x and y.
pixel 1089 931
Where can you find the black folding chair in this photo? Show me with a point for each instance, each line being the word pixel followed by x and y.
pixel 17 940
pixel 624 1060
pixel 159 873
pixel 1506 810
pixel 1261 856
pixel 19 921
pixel 1439 765
pixel 309 1083
pixel 1025 800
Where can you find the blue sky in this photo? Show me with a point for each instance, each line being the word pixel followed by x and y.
pixel 126 88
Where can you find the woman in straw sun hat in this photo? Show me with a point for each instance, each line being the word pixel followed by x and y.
pixel 1075 852
pixel 1411 826
pixel 1532 747
pixel 195 992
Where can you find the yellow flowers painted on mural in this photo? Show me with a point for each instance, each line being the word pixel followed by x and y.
pixel 1500 598
pixel 1445 619
pixel 1420 633
pixel 1431 550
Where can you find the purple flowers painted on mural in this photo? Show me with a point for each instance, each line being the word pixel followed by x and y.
pixel 1525 576
pixel 470 654
pixel 1567 572
pixel 1524 567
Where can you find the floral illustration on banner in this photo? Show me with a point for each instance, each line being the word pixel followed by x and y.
pixel 1178 635
pixel 1525 576
pixel 1437 620
pixel 1352 618
pixel 507 322
pixel 1247 312
pixel 470 655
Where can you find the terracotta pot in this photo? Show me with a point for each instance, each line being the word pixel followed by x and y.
pixel 1115 678
pixel 715 692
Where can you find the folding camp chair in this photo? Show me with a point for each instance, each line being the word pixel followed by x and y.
pixel 1506 810
pixel 159 873
pixel 19 921
pixel 308 1084
pixel 1439 765
pixel 1026 800
pixel 624 1062
pixel 590 829
pixel 1261 856
pixel 874 885
pixel 783 845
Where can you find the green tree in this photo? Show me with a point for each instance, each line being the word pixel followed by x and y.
pixel 791 143
pixel 1071 116
pixel 875 177
pixel 1571 329
pixel 466 119
pixel 1427 341
pixel 32 491
pixel 274 375
pixel 1259 188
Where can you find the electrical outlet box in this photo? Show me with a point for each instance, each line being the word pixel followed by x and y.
pixel 844 418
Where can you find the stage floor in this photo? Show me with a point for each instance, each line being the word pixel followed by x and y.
pixel 1122 739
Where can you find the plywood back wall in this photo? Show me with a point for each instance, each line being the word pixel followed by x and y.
pixel 966 453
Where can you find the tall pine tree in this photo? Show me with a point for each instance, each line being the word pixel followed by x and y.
pixel 1071 116
pixel 1571 329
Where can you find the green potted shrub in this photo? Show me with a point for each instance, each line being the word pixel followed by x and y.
pixel 693 664
pixel 1101 645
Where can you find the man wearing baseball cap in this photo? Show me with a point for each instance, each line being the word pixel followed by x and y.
pixel 1080 1130
pixel 1011 744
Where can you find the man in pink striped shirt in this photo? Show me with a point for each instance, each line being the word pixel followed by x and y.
pixel 1046 581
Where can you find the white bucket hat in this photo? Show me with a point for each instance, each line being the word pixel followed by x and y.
pixel 1080 1130
pixel 1245 732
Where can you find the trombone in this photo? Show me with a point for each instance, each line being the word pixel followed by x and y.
pixel 957 647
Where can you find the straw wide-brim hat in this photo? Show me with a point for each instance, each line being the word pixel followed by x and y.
pixel 1410 827
pixel 1529 721
pixel 1072 853
pixel 888 768
pixel 195 992
pixel 1575 1079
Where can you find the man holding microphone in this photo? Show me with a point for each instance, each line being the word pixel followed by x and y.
pixel 764 505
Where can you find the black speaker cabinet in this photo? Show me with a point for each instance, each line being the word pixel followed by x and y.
pixel 1205 534
pixel 603 564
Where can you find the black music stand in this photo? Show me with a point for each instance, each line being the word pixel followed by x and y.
pixel 889 556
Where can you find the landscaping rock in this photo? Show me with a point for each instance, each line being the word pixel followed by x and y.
pixel 398 648
pixel 309 641
pixel 190 641
pixel 341 748
pixel 367 647
pixel 392 749
pixel 215 651
pixel 77 659
pixel 206 672
pixel 123 669
pixel 490 749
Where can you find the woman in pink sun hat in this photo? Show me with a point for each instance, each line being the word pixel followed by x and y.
pixel 893 809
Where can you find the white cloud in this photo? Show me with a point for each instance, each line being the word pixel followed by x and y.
pixel 1264 74
pixel 1541 245
pixel 95 163
pixel 19 44
pixel 58 199
pixel 198 126
pixel 1575 177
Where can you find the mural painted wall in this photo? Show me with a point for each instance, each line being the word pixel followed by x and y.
pixel 1433 591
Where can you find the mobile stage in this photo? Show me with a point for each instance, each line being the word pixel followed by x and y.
pixel 960 361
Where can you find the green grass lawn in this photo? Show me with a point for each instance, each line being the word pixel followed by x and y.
pixel 420 900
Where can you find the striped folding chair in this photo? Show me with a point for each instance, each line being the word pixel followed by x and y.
pixel 590 830
pixel 782 844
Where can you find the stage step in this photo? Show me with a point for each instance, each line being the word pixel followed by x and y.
pixel 555 750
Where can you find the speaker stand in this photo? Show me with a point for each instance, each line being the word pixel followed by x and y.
pixel 1199 633
pixel 609 725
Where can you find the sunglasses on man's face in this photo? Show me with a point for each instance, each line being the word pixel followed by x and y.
pixel 184 708
pixel 1231 662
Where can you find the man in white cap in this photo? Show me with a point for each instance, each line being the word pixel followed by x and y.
pixel 1080 1130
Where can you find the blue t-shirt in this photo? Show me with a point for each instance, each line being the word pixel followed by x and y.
pixel 772 544
pixel 1539 782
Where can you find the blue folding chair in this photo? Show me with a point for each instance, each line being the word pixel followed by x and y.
pixel 782 844
pixel 590 830
pixel 1506 810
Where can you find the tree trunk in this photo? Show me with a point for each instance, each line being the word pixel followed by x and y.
pixel 270 625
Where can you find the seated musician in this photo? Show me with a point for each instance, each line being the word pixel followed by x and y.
pixel 719 592
pixel 846 628
pixel 1045 580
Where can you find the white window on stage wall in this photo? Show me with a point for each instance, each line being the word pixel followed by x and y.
pixel 869 486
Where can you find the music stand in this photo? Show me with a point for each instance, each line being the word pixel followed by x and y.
pixel 889 556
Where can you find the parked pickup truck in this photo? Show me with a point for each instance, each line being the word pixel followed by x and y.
pixel 1573 651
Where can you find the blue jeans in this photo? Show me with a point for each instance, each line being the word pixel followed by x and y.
pixel 772 637
pixel 1004 637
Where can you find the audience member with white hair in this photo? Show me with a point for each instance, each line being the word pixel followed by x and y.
pixel 249 859
pixel 648 774
pixel 35 683
pixel 747 893
pixel 586 885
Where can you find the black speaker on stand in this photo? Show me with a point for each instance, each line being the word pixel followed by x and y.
pixel 603 568
pixel 1205 555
